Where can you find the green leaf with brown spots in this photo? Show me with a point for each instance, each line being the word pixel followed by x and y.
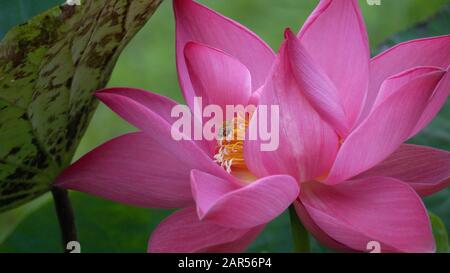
pixel 49 68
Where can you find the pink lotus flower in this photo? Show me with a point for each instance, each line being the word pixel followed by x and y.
pixel 343 119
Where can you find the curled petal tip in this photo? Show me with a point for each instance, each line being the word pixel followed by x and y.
pixel 288 34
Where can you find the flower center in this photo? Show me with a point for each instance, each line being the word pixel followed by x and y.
pixel 230 148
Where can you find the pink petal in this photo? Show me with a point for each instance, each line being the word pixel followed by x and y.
pixel 395 83
pixel 237 246
pixel 434 51
pixel 256 95
pixel 386 128
pixel 426 169
pixel 195 22
pixel 217 77
pixel 379 209
pixel 184 232
pixel 435 104
pixel 156 103
pixel 315 230
pixel 227 204
pixel 132 108
pixel 336 37
pixel 143 110
pixel 146 170
pixel 316 85
pixel 307 144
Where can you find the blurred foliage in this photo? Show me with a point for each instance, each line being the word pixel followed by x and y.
pixel 10 219
pixel 440 234
pixel 15 12
pixel 103 226
pixel 149 63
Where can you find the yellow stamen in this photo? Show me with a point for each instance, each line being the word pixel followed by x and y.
pixel 230 149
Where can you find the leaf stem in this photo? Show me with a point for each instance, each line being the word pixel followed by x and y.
pixel 65 216
pixel 300 236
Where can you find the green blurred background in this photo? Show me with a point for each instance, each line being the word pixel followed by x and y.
pixel 149 62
